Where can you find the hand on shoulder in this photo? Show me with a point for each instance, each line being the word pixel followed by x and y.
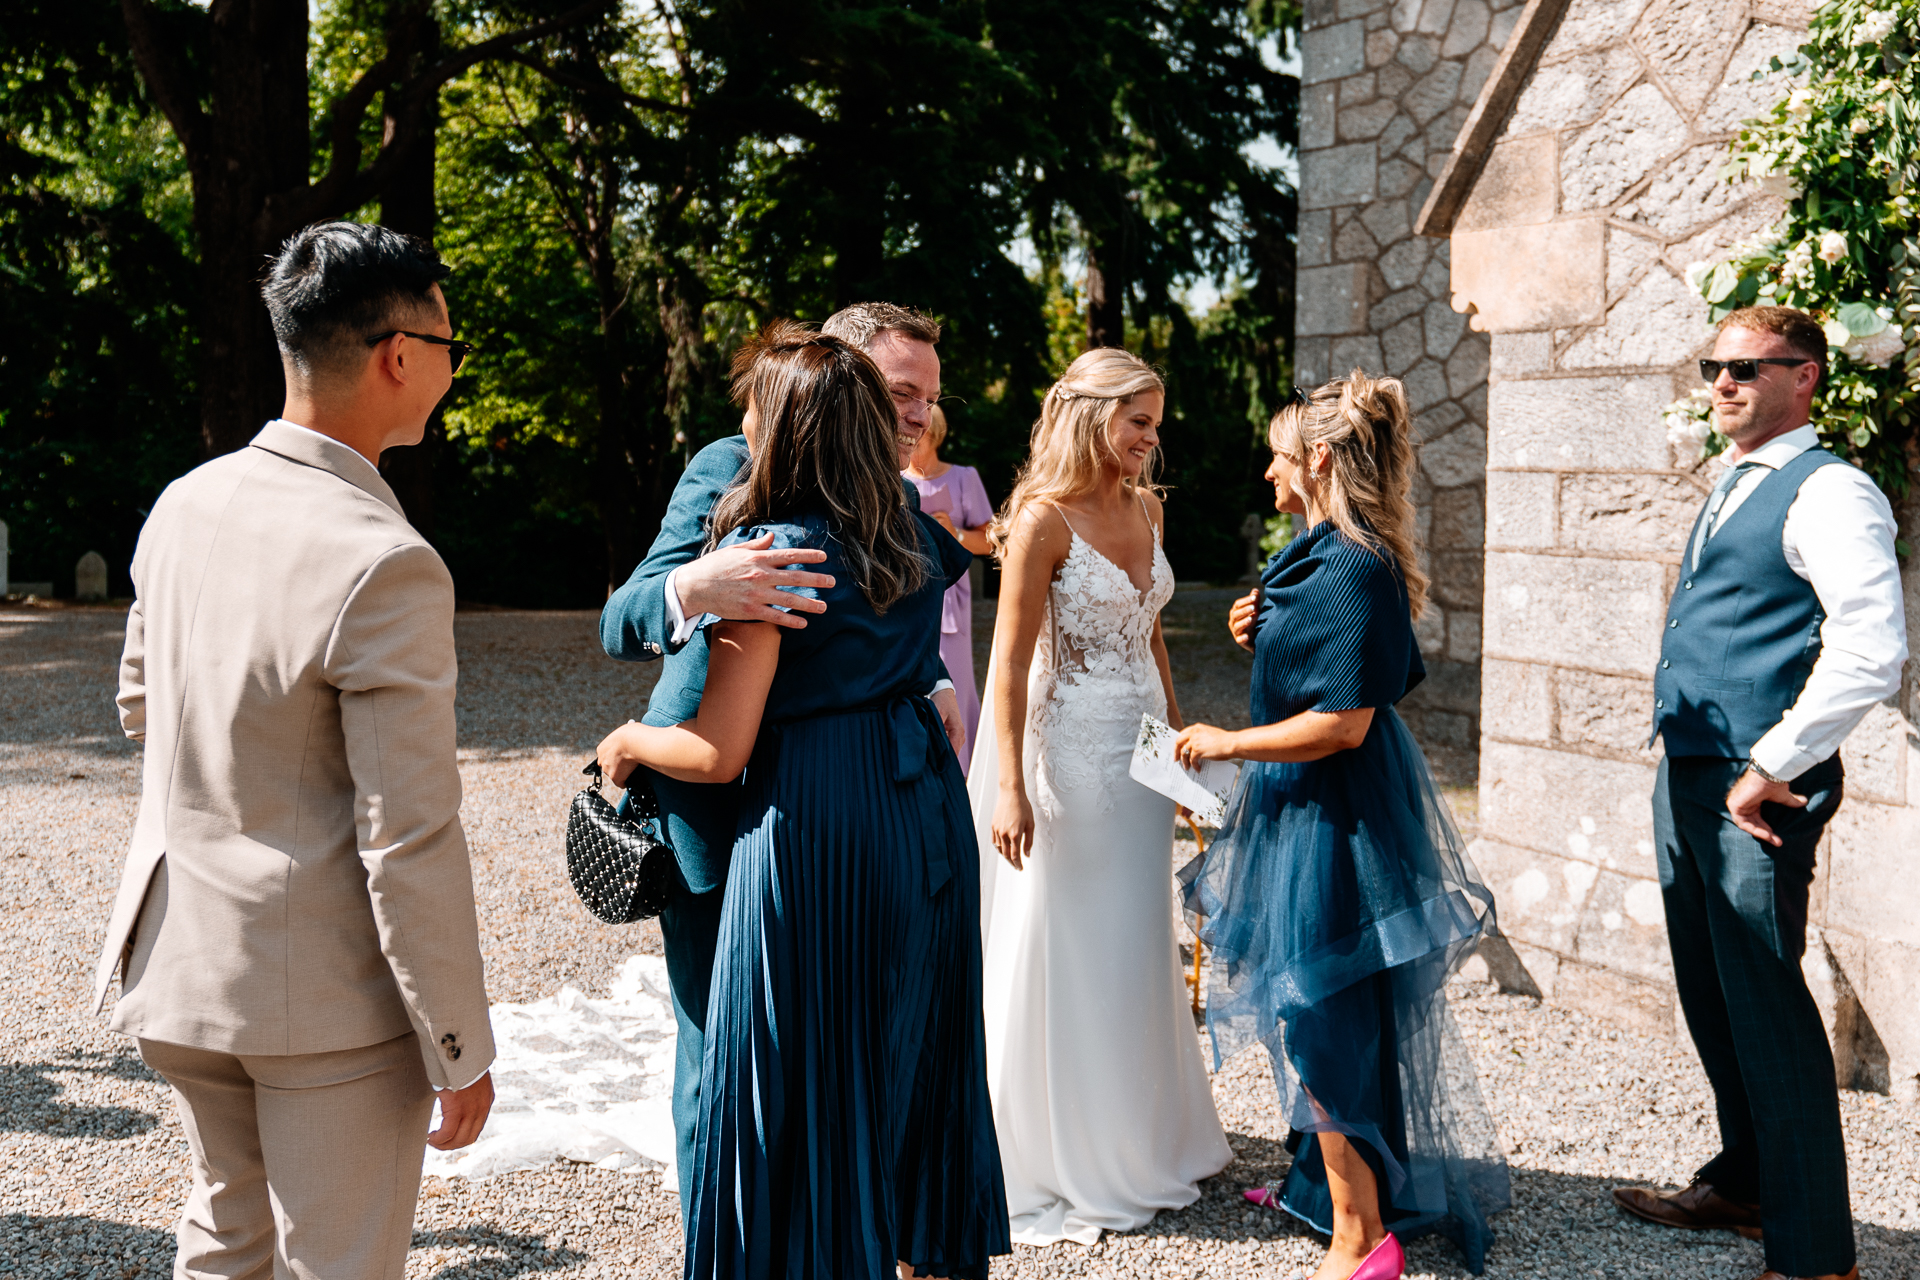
pixel 747 581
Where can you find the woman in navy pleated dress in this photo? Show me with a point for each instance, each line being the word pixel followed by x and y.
pixel 845 1125
pixel 1338 898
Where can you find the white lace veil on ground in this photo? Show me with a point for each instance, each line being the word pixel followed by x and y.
pixel 580 1079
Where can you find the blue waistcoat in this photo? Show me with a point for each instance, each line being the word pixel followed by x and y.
pixel 1742 630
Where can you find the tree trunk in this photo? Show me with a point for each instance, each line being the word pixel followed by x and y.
pixel 856 190
pixel 407 204
pixel 255 144
pixel 1106 297
pixel 613 476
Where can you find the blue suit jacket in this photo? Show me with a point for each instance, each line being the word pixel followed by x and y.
pixel 634 626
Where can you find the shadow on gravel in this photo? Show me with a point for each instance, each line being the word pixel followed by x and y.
pixel 1559 1225
pixel 44 1247
pixel 502 1253
pixel 33 1098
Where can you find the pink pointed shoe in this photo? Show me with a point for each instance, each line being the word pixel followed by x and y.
pixel 1388 1261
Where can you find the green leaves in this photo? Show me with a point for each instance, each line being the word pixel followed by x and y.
pixel 1841 148
pixel 1859 320
pixel 1721 282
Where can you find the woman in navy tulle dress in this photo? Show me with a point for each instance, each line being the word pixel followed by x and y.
pixel 1338 898
pixel 845 1123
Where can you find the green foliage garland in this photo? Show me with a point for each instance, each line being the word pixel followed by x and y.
pixel 1842 147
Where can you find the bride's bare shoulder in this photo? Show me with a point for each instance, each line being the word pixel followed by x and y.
pixel 1039 528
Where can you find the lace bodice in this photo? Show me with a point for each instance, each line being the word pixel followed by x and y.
pixel 1093 670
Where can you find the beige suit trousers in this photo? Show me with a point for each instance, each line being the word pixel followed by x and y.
pixel 305 1166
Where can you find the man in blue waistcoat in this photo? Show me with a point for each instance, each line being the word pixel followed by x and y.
pixel 1785 627
pixel 657 614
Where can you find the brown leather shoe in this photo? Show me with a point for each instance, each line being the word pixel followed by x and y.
pixel 1698 1208
pixel 1853 1274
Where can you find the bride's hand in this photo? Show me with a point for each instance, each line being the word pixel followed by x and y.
pixel 619 753
pixel 1013 827
pixel 1198 742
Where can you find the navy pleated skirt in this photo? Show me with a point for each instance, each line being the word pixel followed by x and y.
pixel 845 1122
pixel 1336 902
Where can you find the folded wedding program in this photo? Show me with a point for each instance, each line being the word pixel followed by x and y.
pixel 1203 791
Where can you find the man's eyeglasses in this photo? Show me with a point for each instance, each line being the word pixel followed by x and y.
pixel 457 351
pixel 1745 370
pixel 906 400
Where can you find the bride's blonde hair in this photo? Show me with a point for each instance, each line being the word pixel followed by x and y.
pixel 1366 490
pixel 1070 444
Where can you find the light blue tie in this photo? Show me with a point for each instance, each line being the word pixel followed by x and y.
pixel 1716 500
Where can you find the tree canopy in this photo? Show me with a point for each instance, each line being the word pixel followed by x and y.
pixel 624 191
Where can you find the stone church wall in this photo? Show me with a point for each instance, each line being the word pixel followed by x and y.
pixel 1386 86
pixel 1600 189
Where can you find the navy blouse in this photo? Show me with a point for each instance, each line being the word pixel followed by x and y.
pixel 851 656
pixel 1334 631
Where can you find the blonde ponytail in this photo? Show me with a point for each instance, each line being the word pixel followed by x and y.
pixel 1367 488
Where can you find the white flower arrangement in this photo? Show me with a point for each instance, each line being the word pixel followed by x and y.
pixel 1690 433
pixel 1874 26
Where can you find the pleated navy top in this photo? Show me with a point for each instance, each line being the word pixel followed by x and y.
pixel 1334 630
pixel 851 656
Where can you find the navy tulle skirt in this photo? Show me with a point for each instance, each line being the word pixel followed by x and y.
pixel 1337 900
pixel 845 1121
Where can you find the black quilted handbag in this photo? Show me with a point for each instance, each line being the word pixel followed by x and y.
pixel 620 869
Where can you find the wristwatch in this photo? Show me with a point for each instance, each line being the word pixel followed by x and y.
pixel 1764 775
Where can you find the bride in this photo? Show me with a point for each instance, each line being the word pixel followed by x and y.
pixel 1101 1102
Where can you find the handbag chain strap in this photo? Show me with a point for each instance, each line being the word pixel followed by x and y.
pixel 644 801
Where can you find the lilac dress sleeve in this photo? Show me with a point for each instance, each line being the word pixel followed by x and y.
pixel 975 509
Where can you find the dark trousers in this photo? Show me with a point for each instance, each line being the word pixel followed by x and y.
pixel 1737 924
pixel 690 927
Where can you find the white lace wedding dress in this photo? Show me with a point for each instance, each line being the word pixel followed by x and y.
pixel 1100 1099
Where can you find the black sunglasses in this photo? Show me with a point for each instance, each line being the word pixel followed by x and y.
pixel 1745 370
pixel 1300 398
pixel 457 351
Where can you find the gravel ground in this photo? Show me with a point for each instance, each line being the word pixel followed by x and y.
pixel 93 1169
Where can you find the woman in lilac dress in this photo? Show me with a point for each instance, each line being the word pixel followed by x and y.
pixel 955 497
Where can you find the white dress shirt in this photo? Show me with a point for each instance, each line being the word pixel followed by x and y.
pixel 1839 537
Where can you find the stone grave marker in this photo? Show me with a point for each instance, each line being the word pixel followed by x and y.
pixel 90 577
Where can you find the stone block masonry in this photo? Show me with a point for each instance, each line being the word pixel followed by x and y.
pixel 1386 86
pixel 1584 183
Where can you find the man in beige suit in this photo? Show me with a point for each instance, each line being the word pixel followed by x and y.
pixel 295 927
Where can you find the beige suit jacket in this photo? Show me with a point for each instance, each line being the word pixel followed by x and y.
pixel 298 879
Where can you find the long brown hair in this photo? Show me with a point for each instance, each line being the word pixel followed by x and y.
pixel 1070 443
pixel 825 440
pixel 1366 491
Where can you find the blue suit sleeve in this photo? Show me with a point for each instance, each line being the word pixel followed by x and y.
pixel 634 623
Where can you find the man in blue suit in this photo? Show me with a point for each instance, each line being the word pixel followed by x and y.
pixel 656 615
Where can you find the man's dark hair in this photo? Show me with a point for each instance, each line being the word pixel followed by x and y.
pixel 1802 332
pixel 336 284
